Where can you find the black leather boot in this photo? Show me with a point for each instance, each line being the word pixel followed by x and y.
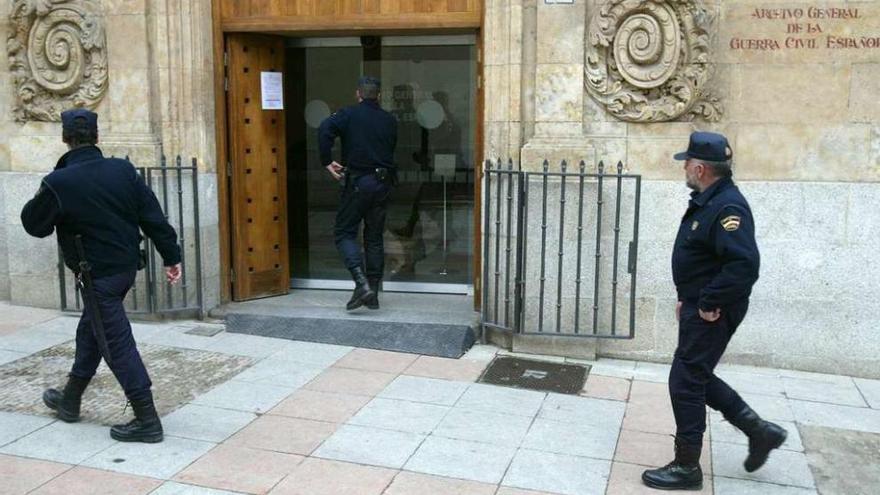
pixel 373 303
pixel 145 427
pixel 683 473
pixel 66 403
pixel 362 293
pixel 764 436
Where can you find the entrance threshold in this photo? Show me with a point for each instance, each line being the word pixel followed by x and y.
pixel 416 287
pixel 429 324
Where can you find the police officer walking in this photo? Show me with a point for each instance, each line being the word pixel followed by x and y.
pixel 369 136
pixel 97 205
pixel 715 263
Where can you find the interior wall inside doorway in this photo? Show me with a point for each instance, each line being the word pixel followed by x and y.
pixel 429 232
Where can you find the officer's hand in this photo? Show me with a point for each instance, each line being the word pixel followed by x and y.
pixel 678 311
pixel 711 315
pixel 172 273
pixel 335 170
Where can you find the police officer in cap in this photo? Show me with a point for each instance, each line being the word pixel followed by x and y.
pixel 369 136
pixel 104 202
pixel 715 262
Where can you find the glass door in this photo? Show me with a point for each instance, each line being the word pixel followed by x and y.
pixel 429 85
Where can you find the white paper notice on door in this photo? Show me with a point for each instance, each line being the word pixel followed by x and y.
pixel 272 89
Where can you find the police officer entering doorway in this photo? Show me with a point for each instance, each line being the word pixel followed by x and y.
pixel 715 262
pixel 369 136
pixel 97 205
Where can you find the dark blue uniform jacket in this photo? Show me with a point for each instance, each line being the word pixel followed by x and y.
pixel 105 201
pixel 715 260
pixel 369 136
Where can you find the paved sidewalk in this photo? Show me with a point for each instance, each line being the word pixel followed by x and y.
pixel 318 419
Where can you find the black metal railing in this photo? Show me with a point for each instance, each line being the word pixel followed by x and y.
pixel 531 285
pixel 176 186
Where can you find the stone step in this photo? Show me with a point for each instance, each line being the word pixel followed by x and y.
pixel 450 340
pixel 430 324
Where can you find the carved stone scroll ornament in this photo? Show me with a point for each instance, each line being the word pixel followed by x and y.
pixel 651 60
pixel 57 57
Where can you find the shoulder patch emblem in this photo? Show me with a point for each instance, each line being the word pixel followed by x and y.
pixel 731 223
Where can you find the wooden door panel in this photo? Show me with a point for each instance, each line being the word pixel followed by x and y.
pixel 258 181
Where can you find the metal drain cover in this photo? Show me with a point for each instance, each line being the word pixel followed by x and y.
pixel 536 375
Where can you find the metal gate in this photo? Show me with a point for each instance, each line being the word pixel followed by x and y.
pixel 176 186
pixel 553 245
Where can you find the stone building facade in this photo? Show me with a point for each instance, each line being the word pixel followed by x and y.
pixel 794 85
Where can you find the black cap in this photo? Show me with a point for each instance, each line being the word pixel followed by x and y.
pixel 71 119
pixel 369 80
pixel 707 146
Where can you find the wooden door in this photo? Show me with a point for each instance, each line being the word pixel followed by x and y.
pixel 257 170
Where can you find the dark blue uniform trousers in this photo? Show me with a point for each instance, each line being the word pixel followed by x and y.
pixel 128 367
pixel 692 381
pixel 364 199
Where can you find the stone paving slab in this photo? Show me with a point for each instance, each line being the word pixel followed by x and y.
pixel 282 434
pixel 32 340
pixel 461 459
pixel 239 469
pixel 834 416
pixel 399 415
pixel 586 440
pixel 322 406
pixel 174 488
pixel 583 411
pixel 280 372
pixel 429 390
pixel 161 460
pixel 651 372
pixel 244 345
pixel 844 394
pixel 348 381
pixel 484 427
pixel 210 424
pixel 464 369
pixel 82 480
pixel 556 473
pixel 15 425
pixel 10 356
pixel 375 360
pixel 843 462
pixel 784 467
pixel 62 442
pixel 19 476
pixel 243 396
pixel 610 367
pixel 310 352
pixel 492 398
pixel 770 407
pixel 751 384
pixel 323 477
pixel 422 484
pixel 870 390
pixel 605 387
pixel 730 486
pixel 371 446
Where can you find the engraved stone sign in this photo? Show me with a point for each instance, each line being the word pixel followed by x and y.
pixel 651 60
pixel 57 57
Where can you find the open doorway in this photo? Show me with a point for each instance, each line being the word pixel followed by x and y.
pixel 429 84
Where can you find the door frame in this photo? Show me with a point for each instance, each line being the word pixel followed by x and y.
pixel 279 27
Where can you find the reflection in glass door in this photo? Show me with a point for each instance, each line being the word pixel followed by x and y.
pixel 429 84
